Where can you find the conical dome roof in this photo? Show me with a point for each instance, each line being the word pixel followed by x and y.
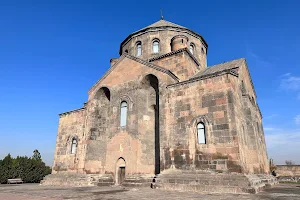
pixel 161 24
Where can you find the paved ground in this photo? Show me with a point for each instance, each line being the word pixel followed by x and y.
pixel 37 192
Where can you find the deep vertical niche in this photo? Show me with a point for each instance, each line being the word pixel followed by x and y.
pixel 152 81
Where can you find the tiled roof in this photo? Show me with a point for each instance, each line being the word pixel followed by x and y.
pixel 220 67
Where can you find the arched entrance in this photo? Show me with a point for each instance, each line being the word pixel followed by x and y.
pixel 120 171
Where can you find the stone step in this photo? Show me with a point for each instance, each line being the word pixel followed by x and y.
pixel 206 176
pixel 138 181
pixel 204 182
pixel 205 188
pixel 212 182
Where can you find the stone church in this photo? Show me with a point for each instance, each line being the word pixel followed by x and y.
pixel 159 108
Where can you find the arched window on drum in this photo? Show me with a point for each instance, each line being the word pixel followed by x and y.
pixel 155 46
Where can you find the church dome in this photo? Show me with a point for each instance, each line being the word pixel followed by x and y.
pixel 156 39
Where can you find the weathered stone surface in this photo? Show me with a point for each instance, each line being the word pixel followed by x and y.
pixel 167 94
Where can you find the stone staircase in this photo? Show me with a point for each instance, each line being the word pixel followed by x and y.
pixel 212 182
pixel 138 180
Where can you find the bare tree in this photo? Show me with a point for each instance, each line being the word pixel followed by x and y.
pixel 289 162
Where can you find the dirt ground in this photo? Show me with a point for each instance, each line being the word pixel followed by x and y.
pixel 38 192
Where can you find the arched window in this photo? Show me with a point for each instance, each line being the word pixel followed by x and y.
pixel 155 46
pixel 202 50
pixel 138 49
pixel 74 146
pixel 201 133
pixel 192 48
pixel 123 113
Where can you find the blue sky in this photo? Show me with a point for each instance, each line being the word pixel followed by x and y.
pixel 52 52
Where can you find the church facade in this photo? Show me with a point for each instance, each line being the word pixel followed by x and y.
pixel 160 107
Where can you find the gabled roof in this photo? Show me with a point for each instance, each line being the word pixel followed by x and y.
pixel 220 67
pixel 176 52
pixel 145 63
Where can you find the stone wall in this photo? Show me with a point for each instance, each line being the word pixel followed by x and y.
pixel 225 104
pixel 180 63
pixel 208 101
pixel 71 125
pixel 252 146
pixel 135 142
pixel 288 170
pixel 165 37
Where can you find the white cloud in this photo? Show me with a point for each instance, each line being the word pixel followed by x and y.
pixel 290 83
pixel 297 119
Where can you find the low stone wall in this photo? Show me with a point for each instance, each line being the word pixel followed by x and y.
pixel 288 170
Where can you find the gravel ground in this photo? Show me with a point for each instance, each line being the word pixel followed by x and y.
pixel 38 192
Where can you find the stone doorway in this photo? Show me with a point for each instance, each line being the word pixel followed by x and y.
pixel 120 171
pixel 121 175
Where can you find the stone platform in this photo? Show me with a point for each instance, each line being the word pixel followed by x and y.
pixel 181 180
pixel 211 182
pixel 74 179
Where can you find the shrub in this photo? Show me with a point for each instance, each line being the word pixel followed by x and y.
pixel 30 170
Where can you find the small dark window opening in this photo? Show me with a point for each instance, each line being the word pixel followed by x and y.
pixel 182 41
pixel 126 51
pixel 202 50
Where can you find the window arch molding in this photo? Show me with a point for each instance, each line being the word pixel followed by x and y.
pixel 129 101
pixel 202 119
pixel 155 45
pixel 192 48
